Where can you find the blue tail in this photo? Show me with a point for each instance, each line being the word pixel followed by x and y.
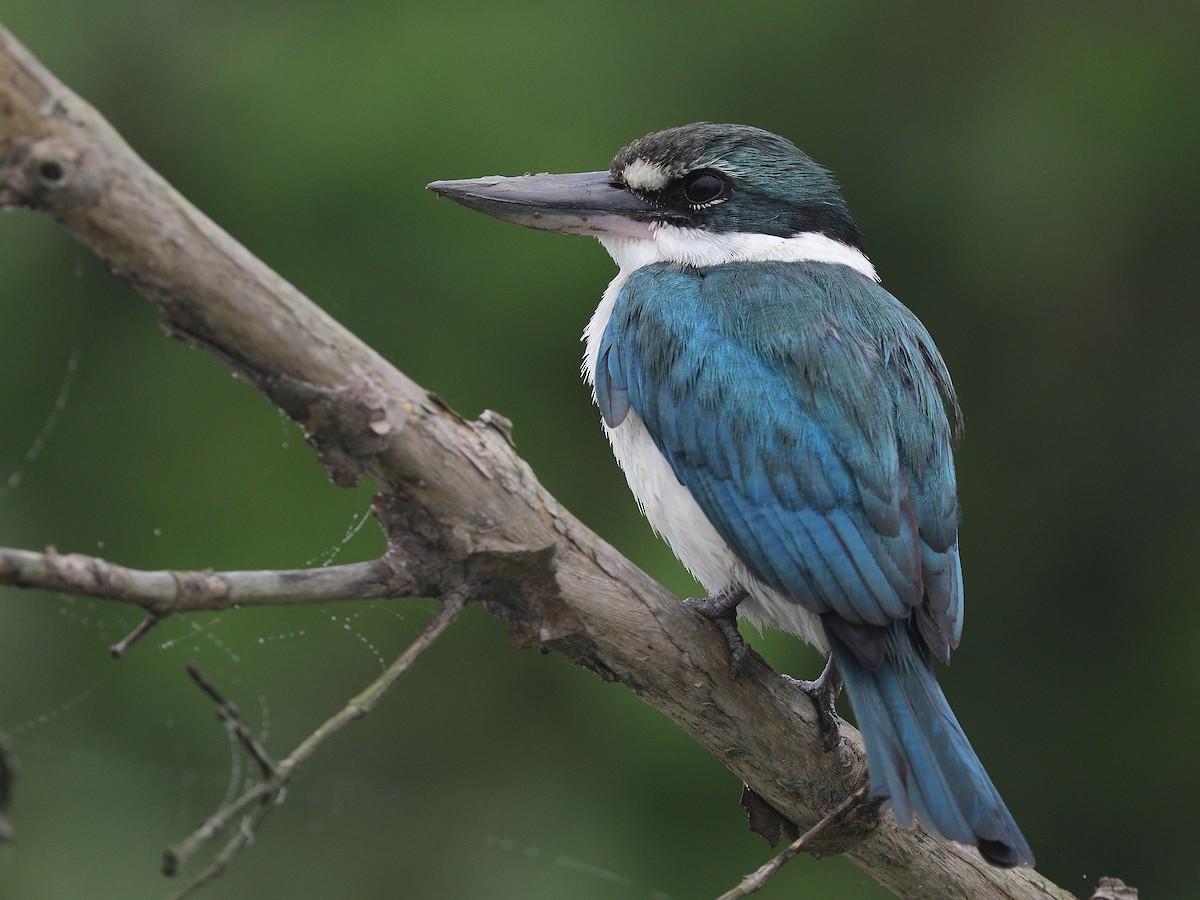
pixel 918 755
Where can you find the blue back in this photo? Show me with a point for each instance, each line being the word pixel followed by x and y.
pixel 804 408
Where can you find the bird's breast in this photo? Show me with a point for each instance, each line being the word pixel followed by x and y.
pixel 676 516
pixel 666 503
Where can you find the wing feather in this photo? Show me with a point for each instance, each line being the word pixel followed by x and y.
pixel 803 408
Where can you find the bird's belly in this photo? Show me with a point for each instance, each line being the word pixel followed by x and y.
pixel 675 515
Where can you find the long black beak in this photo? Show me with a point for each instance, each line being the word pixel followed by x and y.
pixel 585 203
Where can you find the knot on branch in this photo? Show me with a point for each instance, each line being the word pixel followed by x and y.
pixel 846 829
pixel 521 587
pixel 348 424
pixel 502 425
pixel 853 819
pixel 36 172
pixel 199 590
pixel 77 573
pixel 514 582
pixel 1109 888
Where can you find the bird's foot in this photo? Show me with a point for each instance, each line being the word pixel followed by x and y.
pixel 721 609
pixel 824 693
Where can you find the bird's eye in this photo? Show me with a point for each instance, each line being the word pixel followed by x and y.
pixel 703 187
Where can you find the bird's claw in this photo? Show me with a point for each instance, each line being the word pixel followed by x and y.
pixel 824 693
pixel 721 609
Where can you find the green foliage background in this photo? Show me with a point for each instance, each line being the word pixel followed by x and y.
pixel 1026 178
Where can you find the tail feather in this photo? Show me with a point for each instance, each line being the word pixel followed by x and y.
pixel 919 756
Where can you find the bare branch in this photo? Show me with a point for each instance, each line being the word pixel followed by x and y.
pixel 460 509
pixel 121 647
pixel 267 792
pixel 238 840
pixel 166 592
pixel 228 713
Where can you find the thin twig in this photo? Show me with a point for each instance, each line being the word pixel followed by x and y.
pixel 168 591
pixel 8 774
pixel 267 791
pixel 121 647
pixel 241 838
pixel 229 714
pixel 165 592
pixel 757 879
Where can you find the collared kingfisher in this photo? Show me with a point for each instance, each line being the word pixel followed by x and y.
pixel 786 425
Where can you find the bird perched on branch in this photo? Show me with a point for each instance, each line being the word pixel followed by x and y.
pixel 786 425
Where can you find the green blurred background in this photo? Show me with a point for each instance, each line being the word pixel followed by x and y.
pixel 1025 175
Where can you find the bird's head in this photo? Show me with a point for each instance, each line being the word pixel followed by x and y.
pixel 699 194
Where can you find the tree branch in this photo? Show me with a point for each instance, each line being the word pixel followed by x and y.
pixel 462 513
pixel 164 593
pixel 228 713
pixel 261 797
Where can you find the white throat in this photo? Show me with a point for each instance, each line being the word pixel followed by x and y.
pixel 693 247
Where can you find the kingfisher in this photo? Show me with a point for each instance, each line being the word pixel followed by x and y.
pixel 787 426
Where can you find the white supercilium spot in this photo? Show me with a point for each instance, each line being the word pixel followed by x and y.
pixel 643 175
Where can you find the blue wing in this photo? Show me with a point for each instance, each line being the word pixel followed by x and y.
pixel 804 408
